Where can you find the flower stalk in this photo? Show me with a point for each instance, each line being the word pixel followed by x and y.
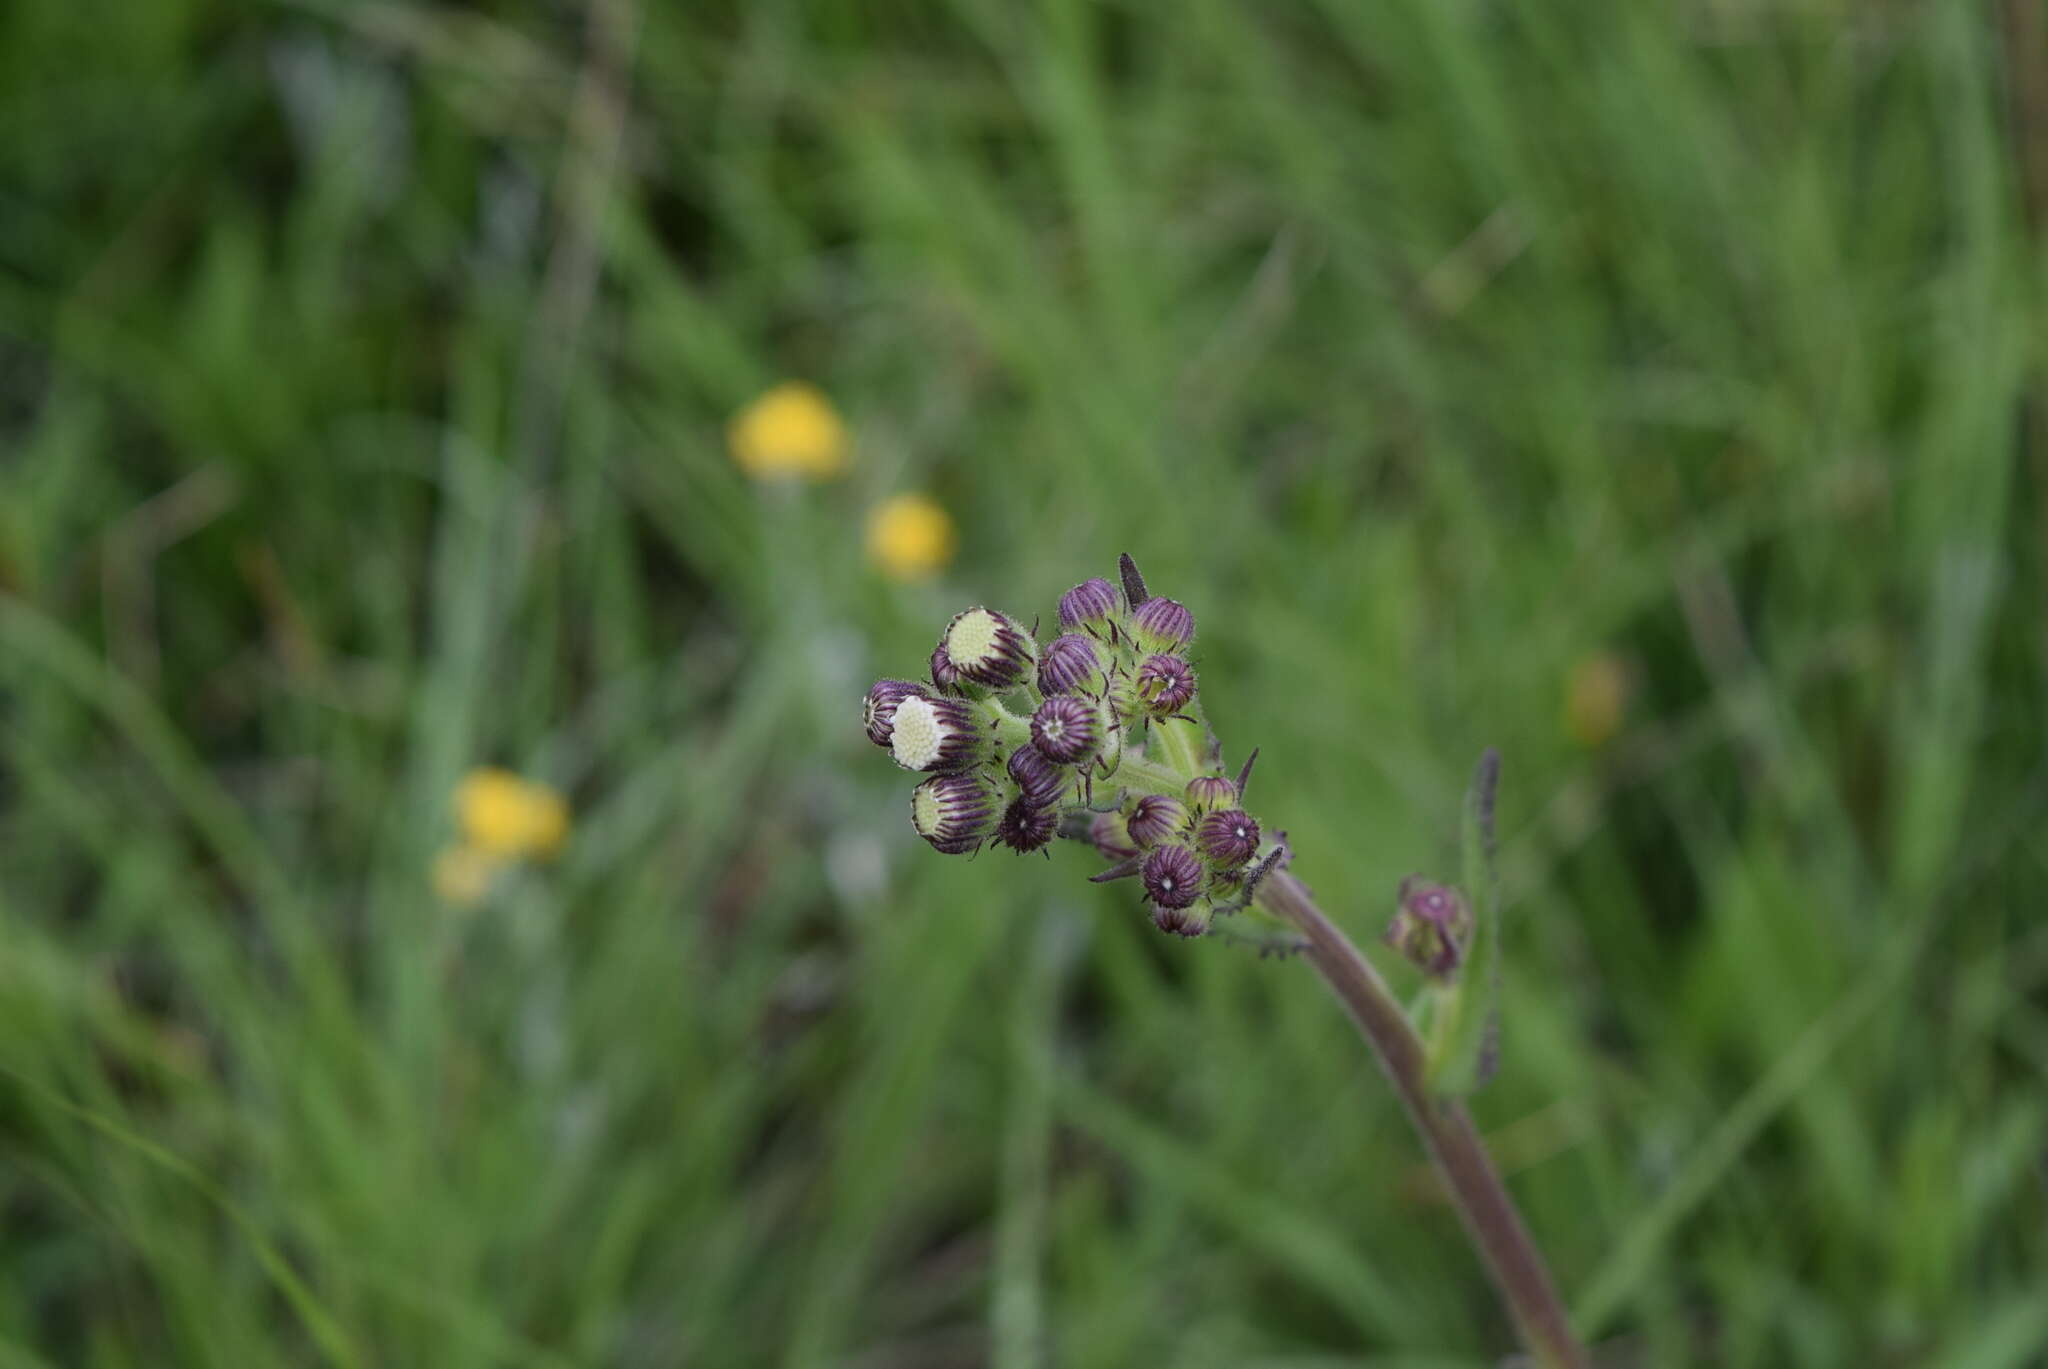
pixel 1454 1143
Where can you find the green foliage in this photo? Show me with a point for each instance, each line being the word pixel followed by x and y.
pixel 1440 348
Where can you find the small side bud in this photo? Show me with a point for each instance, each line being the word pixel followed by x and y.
pixel 1067 729
pixel 1227 837
pixel 1111 838
pixel 954 812
pixel 1024 827
pixel 1162 625
pixel 878 713
pixel 1431 927
pixel 1039 781
pixel 1173 877
pixel 1166 684
pixel 936 734
pixel 1071 665
pixel 1189 921
pixel 1208 792
pixel 1088 605
pixel 1155 818
pixel 989 649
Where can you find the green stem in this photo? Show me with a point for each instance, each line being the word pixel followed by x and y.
pixel 1011 730
pixel 1447 1131
pixel 1148 777
pixel 1180 746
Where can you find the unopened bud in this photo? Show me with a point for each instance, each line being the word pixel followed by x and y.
pixel 1070 665
pixel 936 734
pixel 1173 877
pixel 953 812
pixel 1067 729
pixel 1155 818
pixel 1190 921
pixel 1166 684
pixel 1025 827
pixel 1210 791
pixel 1162 625
pixel 1039 780
pixel 1088 605
pixel 1227 837
pixel 1431 926
pixel 988 649
pixel 1111 838
pixel 878 713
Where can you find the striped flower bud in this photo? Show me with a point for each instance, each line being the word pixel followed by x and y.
pixel 1039 781
pixel 1180 921
pixel 1206 792
pixel 988 649
pixel 954 812
pixel 1155 818
pixel 1173 877
pixel 1067 729
pixel 878 714
pixel 1070 666
pixel 1089 605
pixel 1166 684
pixel 1162 625
pixel 936 734
pixel 1110 837
pixel 1227 837
pixel 1026 828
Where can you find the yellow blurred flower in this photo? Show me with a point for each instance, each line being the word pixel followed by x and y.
pixel 509 818
pixel 910 537
pixel 792 430
pixel 463 874
pixel 1595 698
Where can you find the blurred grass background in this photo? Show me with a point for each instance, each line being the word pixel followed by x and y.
pixel 364 376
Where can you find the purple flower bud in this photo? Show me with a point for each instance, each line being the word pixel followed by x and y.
pixel 1111 838
pixel 1162 625
pixel 1210 791
pixel 1166 684
pixel 954 812
pixel 1070 666
pixel 1154 818
pixel 1066 729
pixel 1090 604
pixel 1228 837
pixel 988 649
pixel 945 675
pixel 1180 921
pixel 878 714
pixel 1026 828
pixel 1039 781
pixel 1432 926
pixel 936 734
pixel 1173 877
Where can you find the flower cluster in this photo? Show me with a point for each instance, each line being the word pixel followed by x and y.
pixel 1092 734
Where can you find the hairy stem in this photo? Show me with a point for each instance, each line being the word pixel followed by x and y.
pixel 1180 745
pixel 1489 1213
